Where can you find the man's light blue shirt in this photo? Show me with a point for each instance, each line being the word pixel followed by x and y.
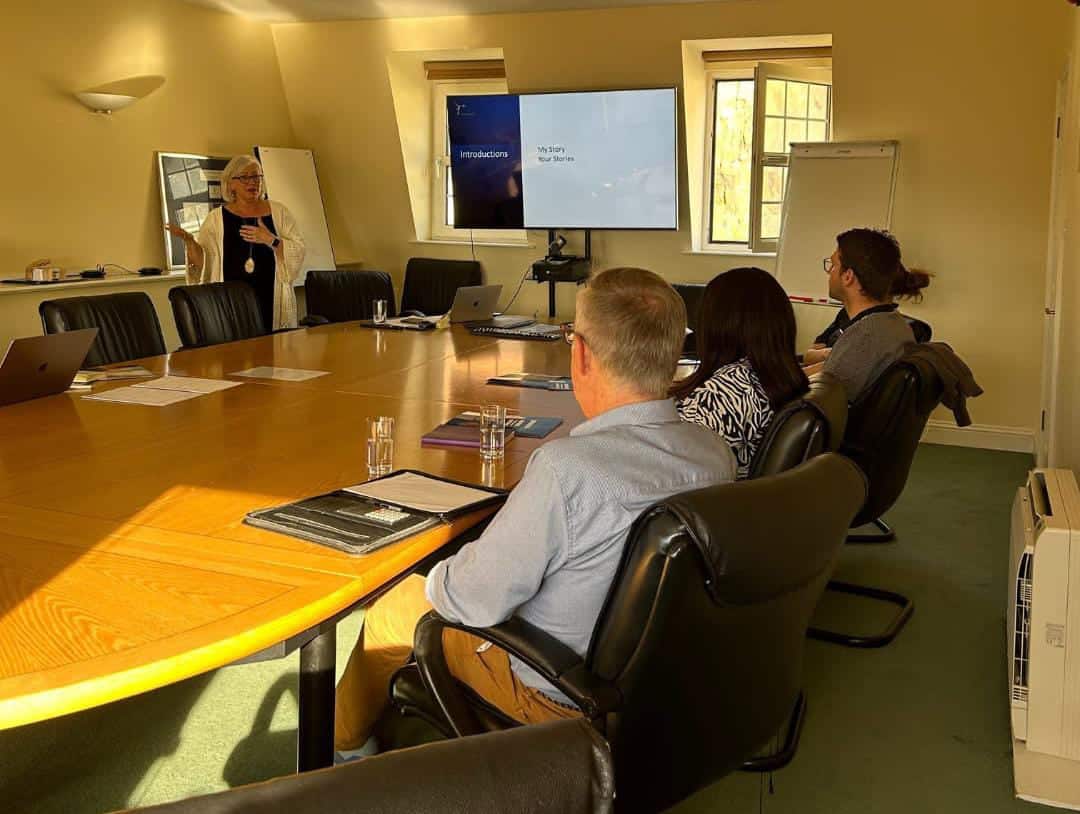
pixel 550 554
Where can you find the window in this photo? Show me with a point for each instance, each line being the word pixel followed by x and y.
pixel 754 112
pixel 442 189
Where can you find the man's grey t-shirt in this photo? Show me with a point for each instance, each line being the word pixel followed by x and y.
pixel 550 554
pixel 867 347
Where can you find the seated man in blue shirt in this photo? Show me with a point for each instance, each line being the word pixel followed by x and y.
pixel 550 554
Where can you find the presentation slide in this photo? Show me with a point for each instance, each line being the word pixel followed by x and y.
pixel 485 159
pixel 590 160
pixel 599 160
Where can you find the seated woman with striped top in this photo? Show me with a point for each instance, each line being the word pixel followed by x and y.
pixel 746 341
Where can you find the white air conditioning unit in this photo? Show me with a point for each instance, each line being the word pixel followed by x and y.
pixel 1043 623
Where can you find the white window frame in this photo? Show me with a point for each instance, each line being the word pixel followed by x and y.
pixel 441 164
pixel 760 72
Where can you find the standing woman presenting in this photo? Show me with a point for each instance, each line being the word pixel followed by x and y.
pixel 250 239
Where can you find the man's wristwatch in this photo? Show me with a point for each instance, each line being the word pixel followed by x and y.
pixel 275 242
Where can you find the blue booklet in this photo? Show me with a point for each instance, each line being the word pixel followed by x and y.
pixel 522 425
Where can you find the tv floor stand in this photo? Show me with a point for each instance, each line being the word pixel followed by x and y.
pixel 557 267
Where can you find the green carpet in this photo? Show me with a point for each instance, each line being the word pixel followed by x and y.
pixel 921 725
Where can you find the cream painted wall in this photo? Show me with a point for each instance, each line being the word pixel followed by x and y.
pixel 1065 444
pixel 967 86
pixel 82 189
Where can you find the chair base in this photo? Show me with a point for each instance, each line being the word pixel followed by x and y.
pixel 786 753
pixel 907 607
pixel 887 535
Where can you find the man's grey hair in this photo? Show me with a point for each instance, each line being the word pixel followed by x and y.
pixel 235 167
pixel 635 326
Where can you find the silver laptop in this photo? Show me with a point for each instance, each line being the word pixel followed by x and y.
pixel 37 366
pixel 475 304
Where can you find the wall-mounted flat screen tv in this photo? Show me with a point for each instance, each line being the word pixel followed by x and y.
pixel 588 160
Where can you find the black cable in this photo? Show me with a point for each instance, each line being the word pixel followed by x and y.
pixel 472 245
pixel 524 277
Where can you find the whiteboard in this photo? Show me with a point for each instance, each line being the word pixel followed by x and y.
pixel 290 178
pixel 831 188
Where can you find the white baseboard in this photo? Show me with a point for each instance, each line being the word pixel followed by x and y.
pixel 979 436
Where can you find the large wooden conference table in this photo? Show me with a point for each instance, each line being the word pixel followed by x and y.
pixel 124 563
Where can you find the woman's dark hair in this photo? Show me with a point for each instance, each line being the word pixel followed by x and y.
pixel 746 314
pixel 874 256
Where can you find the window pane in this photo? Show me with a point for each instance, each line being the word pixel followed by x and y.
pixel 770 221
pixel 732 149
pixel 772 184
pixel 819 101
pixel 774 136
pixel 815 131
pixel 796 99
pixel 774 97
pixel 796 131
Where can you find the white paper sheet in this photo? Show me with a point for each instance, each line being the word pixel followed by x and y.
pixel 414 491
pixel 188 384
pixel 282 374
pixel 134 394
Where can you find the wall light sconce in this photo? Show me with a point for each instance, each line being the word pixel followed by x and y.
pixel 107 99
pixel 104 103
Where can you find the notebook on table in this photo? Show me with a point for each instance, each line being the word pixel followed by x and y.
pixel 363 518
pixel 537 381
pixel 462 435
pixel 523 426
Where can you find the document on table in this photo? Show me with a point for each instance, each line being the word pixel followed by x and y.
pixel 134 394
pixel 416 491
pixel 164 391
pixel 281 374
pixel 188 384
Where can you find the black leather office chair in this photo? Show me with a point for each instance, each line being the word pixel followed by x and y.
pixel 691 294
pixel 128 326
pixel 696 658
pixel 215 313
pixel 430 284
pixel 804 427
pixel 555 768
pixel 342 296
pixel 883 431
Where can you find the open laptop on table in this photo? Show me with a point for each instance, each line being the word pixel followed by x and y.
pixel 475 306
pixel 37 366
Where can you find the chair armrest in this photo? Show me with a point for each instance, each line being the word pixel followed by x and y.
pixel 551 658
pixel 312 320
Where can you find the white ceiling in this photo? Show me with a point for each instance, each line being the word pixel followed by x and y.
pixel 306 10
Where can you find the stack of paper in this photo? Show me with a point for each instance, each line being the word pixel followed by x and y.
pixel 281 374
pixel 164 391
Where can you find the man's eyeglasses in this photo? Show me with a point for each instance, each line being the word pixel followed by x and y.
pixel 569 334
pixel 248 179
pixel 828 264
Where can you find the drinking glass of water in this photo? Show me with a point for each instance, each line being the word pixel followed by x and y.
pixel 379 316
pixel 492 432
pixel 380 446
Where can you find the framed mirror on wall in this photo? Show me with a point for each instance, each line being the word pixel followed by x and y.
pixel 190 189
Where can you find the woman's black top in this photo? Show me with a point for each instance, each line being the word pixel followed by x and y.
pixel 236 252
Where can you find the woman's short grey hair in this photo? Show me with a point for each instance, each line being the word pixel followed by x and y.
pixel 636 325
pixel 236 167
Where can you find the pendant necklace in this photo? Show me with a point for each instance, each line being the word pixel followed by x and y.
pixel 249 264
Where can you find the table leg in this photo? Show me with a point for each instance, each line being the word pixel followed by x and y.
pixel 315 732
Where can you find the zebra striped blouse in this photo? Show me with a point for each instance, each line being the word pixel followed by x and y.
pixel 732 403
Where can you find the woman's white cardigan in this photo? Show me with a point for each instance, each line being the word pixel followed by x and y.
pixel 212 236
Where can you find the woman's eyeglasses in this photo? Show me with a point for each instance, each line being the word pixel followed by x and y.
pixel 248 179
